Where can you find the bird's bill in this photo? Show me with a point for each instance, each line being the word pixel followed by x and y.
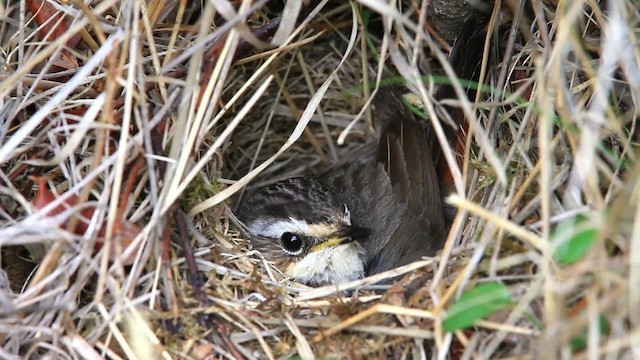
pixel 349 235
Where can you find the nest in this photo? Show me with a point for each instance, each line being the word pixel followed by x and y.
pixel 130 131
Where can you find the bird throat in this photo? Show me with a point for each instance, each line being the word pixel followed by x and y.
pixel 331 265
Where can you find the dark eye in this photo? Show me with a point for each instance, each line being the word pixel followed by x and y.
pixel 291 242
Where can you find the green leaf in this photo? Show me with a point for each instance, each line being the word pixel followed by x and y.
pixel 366 16
pixel 477 303
pixel 573 238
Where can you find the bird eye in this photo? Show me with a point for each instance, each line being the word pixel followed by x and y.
pixel 291 242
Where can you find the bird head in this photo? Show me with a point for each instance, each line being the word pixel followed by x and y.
pixel 300 225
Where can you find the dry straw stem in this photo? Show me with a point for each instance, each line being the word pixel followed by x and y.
pixel 552 135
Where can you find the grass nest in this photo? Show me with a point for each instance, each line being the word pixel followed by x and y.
pixel 130 130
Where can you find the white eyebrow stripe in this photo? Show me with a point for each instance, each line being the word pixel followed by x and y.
pixel 274 229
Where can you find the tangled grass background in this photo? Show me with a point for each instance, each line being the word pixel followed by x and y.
pixel 129 129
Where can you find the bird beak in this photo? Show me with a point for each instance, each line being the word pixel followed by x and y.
pixel 346 236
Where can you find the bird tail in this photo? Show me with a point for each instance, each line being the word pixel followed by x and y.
pixel 414 163
pixel 465 59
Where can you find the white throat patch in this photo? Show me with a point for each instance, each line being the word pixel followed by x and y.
pixel 332 265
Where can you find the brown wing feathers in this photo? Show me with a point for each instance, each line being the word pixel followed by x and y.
pixel 404 151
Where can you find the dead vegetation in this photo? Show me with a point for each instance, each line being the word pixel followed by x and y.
pixel 126 129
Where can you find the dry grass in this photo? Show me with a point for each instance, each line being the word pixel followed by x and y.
pixel 554 135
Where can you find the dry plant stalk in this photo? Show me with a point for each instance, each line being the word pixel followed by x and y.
pixel 117 118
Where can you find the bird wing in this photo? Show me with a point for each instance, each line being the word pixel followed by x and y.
pixel 364 186
pixel 404 153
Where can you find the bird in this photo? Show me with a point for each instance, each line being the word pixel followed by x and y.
pixel 379 208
